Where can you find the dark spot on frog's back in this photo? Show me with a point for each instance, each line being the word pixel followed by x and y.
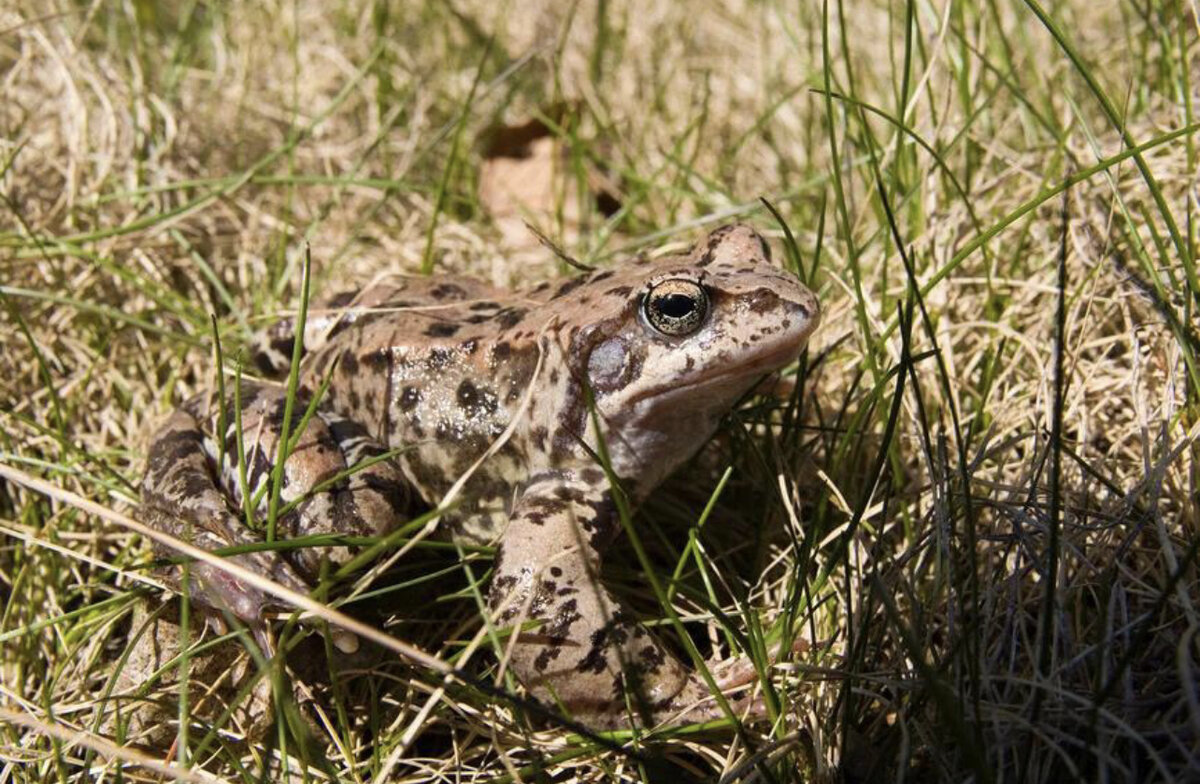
pixel 377 361
pixel 450 291
pixel 441 329
pixel 340 300
pixel 485 306
pixel 509 317
pixel 467 395
pixel 349 363
pixel 409 398
pixel 619 291
pixel 568 287
pixel 596 277
pixel 322 363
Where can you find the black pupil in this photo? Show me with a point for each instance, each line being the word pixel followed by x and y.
pixel 675 306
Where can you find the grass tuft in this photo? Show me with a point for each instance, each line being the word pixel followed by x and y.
pixel 971 512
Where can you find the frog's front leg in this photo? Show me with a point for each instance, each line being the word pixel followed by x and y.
pixel 583 649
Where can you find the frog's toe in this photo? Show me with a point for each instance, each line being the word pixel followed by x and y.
pixel 344 641
pixel 223 591
pixel 733 673
pixel 695 704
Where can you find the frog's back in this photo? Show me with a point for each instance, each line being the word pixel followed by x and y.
pixel 420 307
pixel 434 367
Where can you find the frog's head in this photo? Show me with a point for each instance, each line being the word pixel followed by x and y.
pixel 673 344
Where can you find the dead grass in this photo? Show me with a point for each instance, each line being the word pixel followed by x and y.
pixel 997 576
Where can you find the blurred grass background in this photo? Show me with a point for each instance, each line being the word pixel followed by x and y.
pixel 979 503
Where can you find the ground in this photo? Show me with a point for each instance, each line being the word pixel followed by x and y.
pixel 975 499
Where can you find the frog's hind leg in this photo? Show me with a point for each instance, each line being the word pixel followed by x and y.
pixel 182 497
pixel 370 498
pixel 193 492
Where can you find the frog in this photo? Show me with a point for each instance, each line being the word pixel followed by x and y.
pixel 546 409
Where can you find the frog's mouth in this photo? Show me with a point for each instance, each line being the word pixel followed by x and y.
pixel 736 378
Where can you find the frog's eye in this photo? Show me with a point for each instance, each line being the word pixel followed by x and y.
pixel 676 307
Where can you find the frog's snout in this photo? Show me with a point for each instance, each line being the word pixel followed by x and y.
pixel 804 306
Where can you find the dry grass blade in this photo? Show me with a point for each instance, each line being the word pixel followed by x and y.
pixel 131 757
pixel 258 581
pixel 988 543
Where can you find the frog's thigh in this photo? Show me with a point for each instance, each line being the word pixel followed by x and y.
pixel 340 480
pixel 371 498
pixel 189 491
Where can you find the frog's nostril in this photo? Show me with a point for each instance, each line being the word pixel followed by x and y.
pixel 803 306
pixel 762 300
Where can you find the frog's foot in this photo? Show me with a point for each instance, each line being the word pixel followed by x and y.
pixel 738 671
pixel 193 494
pixel 696 703
pixel 144 683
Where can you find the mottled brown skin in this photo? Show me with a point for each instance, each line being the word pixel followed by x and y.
pixel 443 367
